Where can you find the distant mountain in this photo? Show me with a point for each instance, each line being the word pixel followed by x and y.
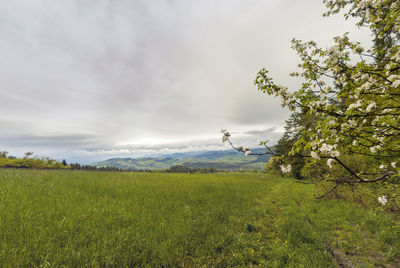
pixel 221 160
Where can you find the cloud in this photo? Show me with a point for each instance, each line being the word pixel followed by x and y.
pixel 88 148
pixel 261 132
pixel 97 74
pixel 76 140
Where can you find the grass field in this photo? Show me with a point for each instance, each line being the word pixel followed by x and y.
pixel 81 218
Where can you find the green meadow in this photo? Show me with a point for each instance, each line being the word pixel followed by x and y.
pixel 67 218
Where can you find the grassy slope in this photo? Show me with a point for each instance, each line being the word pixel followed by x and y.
pixel 77 218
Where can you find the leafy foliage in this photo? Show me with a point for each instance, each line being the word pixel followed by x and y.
pixel 287 141
pixel 28 162
pixel 353 94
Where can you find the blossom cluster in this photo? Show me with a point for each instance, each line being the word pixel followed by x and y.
pixel 286 169
pixel 382 200
pixel 352 94
pixel 356 102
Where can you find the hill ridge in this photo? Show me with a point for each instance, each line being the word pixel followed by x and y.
pixel 219 159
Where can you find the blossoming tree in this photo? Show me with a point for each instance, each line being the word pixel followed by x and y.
pixel 354 94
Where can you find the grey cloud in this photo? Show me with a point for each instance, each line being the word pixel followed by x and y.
pixel 261 132
pixel 75 140
pixel 88 148
pixel 97 74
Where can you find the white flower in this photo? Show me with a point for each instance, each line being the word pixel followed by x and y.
pixel 314 144
pixel 375 148
pixel 370 107
pixel 315 155
pixel 365 86
pixel 382 199
pixel 355 105
pixel 329 162
pixel 315 103
pixel 382 167
pixel 286 169
pixel 335 153
pixel 372 79
pixel 393 164
pixel 396 83
pixel 248 152
pixel 352 123
pixel 326 90
pixel 345 126
pixel 326 148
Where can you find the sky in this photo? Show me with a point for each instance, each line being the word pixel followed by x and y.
pixel 87 80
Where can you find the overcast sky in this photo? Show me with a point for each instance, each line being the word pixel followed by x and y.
pixel 88 80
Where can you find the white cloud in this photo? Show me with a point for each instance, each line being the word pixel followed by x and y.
pixel 125 71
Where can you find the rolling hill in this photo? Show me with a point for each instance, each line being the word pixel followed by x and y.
pixel 221 160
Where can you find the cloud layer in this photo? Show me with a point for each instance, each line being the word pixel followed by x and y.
pixel 82 78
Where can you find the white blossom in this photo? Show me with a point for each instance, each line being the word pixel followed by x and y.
pixel 326 148
pixel 372 79
pixel 247 152
pixel 329 162
pixel 393 77
pixel 365 86
pixel 396 83
pixel 355 105
pixel 286 169
pixel 315 104
pixel 315 155
pixel 365 77
pixel 393 164
pixel 352 123
pixel 314 144
pixel 370 107
pixel 382 167
pixel 335 153
pixel 383 200
pixel 326 90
